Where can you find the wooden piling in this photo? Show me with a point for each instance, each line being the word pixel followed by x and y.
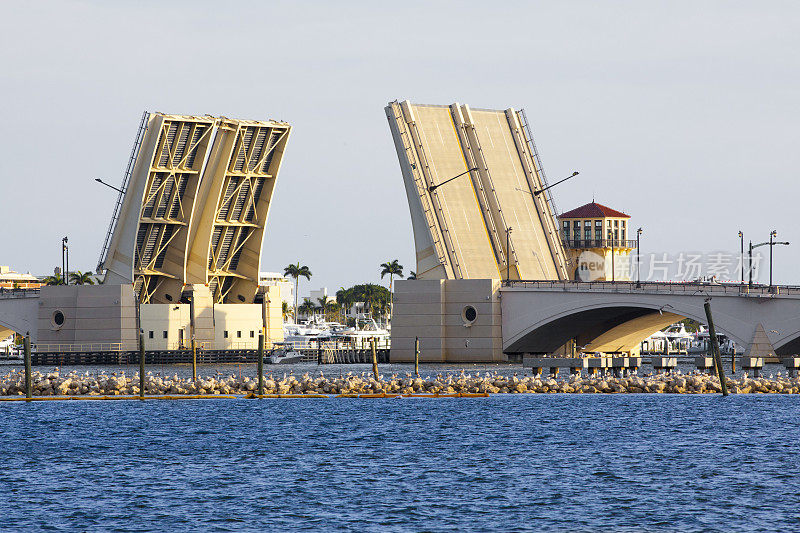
pixel 712 333
pixel 194 360
pixel 141 365
pixel 416 356
pixel 26 343
pixel 374 360
pixel 261 364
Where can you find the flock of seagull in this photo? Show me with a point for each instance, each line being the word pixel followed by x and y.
pixel 74 384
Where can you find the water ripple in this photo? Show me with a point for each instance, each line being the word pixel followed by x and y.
pixel 550 463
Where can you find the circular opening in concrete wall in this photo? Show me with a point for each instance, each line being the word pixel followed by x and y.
pixel 469 314
pixel 241 298
pixel 168 297
pixel 58 319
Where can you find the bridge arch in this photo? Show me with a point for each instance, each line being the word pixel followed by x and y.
pixel 19 314
pixel 611 325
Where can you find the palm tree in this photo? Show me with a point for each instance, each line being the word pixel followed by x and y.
pixel 287 310
pixel 55 279
pixel 344 297
pixel 81 278
pixel 331 308
pixel 412 275
pixel 307 307
pixel 369 294
pixel 296 272
pixel 393 269
pixel 322 304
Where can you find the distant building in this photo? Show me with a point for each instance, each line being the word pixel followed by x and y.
pixel 319 294
pixel 284 284
pixel 598 243
pixel 15 280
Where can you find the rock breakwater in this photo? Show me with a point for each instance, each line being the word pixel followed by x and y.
pixel 55 383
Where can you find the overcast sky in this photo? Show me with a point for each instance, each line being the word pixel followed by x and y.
pixel 682 114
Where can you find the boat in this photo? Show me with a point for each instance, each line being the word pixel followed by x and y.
pixel 284 353
pixel 304 334
pixel 9 349
pixel 680 340
pixel 360 334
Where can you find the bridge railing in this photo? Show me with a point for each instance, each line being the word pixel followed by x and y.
pixel 41 347
pixel 18 293
pixel 689 287
pixel 599 243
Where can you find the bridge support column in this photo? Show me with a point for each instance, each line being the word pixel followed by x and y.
pixel 753 364
pixel 791 364
pixel 665 364
pixel 705 364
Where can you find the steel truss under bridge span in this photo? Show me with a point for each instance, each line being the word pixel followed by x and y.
pixel 195 206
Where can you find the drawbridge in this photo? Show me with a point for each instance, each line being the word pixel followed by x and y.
pixel 475 184
pixel 193 207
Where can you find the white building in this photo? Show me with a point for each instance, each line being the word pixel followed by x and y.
pixel 275 279
pixel 319 294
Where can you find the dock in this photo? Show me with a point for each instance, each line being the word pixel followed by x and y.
pixel 204 357
pixel 618 365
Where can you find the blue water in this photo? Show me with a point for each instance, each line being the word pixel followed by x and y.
pixel 533 462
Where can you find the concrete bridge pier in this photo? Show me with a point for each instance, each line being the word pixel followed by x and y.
pixel 792 364
pixel 753 365
pixel 705 364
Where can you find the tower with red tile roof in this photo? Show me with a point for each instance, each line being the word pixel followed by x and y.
pixel 598 243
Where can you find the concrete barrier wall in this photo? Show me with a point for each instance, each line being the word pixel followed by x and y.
pixel 433 310
pixel 92 314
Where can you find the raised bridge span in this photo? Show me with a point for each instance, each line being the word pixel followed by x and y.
pixel 482 212
pixel 541 316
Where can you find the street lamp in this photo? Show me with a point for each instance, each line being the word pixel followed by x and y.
pixel 741 257
pixel 508 254
pixel 771 242
pixel 540 191
pixel 98 180
pixel 434 187
pixel 65 260
pixel 638 260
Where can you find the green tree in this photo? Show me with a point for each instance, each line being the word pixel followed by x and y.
pixel 287 310
pixel 55 279
pixel 345 298
pixel 375 297
pixel 307 307
pixel 322 304
pixel 393 268
pixel 412 275
pixel 329 308
pixel 81 278
pixel 297 272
